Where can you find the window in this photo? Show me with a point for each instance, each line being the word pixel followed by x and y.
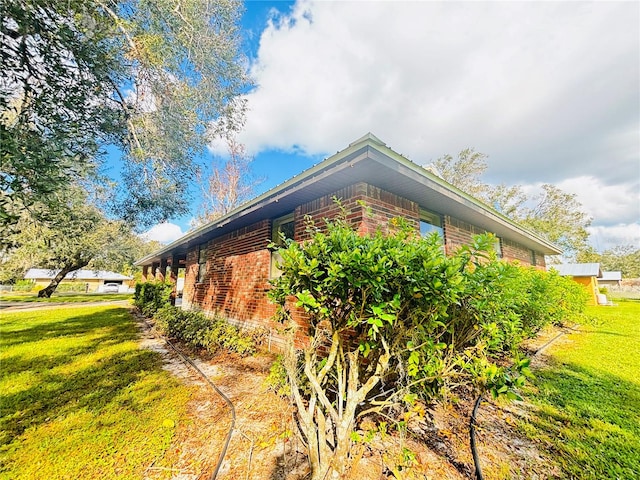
pixel 285 226
pixel 497 246
pixel 534 260
pixel 281 227
pixel 430 222
pixel 202 262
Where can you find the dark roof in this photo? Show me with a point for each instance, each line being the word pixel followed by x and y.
pixel 369 160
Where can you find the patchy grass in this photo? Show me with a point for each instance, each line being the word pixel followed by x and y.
pixel 587 401
pixel 80 399
pixel 65 297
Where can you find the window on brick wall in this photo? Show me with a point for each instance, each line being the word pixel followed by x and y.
pixel 430 222
pixel 533 258
pixel 202 262
pixel 498 247
pixel 281 227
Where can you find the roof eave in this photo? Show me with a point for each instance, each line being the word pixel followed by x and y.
pixel 368 146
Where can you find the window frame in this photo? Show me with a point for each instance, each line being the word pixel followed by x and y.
pixel 427 217
pixel 202 263
pixel 276 225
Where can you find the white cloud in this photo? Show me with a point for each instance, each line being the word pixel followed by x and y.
pixel 548 90
pixel 615 209
pixel 606 237
pixel 163 232
pixel 607 204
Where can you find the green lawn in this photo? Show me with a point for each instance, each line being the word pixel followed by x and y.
pixel 79 399
pixel 65 297
pixel 587 403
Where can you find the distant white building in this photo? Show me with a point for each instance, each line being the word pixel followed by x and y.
pixel 93 280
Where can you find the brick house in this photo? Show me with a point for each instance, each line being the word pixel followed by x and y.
pixel 227 264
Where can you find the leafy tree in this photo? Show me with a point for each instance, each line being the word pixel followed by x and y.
pixel 559 217
pixel 622 258
pixel 464 172
pixel 77 236
pixel 228 186
pixel 147 76
pixel 555 214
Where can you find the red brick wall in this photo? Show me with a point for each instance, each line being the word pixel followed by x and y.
pixel 513 251
pixel 237 275
pixel 382 206
pixel 368 208
pixel 458 233
pixel 325 207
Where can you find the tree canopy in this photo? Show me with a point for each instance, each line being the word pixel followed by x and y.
pixel 622 258
pixel 554 214
pixel 147 76
pixel 77 236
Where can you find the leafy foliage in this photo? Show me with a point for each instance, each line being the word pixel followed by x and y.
pixel 391 319
pixel 623 258
pixel 200 331
pixel 76 235
pixel 146 76
pixel 194 328
pixel 55 107
pixel 559 217
pixel 150 297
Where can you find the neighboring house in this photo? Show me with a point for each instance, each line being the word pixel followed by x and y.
pixel 610 279
pixel 586 274
pixel 228 265
pixel 92 280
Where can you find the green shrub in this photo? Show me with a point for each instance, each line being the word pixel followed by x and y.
pixel 200 331
pixel 149 297
pixel 71 287
pixel 277 379
pixel 23 286
pixel 391 318
pixel 550 298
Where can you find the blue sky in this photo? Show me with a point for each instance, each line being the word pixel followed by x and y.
pixel 548 90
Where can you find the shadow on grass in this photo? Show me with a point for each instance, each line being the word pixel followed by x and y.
pixel 88 386
pixel 588 420
pixel 116 323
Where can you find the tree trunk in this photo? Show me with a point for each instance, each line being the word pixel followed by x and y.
pixel 49 289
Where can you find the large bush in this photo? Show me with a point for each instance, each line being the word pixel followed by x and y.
pixel 23 286
pixel 75 287
pixel 200 331
pixel 191 327
pixel 391 318
pixel 150 297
